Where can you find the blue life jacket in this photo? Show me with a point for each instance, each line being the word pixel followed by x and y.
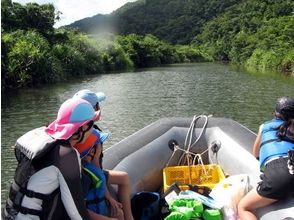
pixel 95 198
pixel 271 145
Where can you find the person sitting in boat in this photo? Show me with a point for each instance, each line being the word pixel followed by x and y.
pixel 94 181
pixel 47 182
pixel 114 177
pixel 275 138
pixel 93 98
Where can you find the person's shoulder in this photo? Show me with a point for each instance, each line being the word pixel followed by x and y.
pixel 65 149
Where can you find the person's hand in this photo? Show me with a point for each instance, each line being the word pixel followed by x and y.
pixel 95 216
pixel 115 208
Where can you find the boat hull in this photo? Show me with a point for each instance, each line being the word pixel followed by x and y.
pixel 144 154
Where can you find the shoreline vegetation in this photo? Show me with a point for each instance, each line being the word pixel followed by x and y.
pixel 33 52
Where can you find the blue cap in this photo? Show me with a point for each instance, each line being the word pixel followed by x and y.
pixel 103 136
pixel 94 138
pixel 90 96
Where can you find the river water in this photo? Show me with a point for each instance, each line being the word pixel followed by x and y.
pixel 135 99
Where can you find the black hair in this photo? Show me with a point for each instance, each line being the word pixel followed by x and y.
pixel 97 128
pixel 80 133
pixel 101 159
pixel 286 130
pixel 285 108
pixel 285 111
pixel 92 156
pixel 96 106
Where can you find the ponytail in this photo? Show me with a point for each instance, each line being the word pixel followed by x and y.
pixel 286 130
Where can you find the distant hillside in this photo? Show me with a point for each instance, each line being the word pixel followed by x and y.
pixel 258 34
pixel 176 21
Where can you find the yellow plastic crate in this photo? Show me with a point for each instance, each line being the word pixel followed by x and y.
pixel 194 175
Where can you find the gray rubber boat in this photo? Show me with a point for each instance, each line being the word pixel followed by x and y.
pixel 145 153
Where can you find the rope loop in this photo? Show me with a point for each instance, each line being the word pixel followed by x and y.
pixel 187 155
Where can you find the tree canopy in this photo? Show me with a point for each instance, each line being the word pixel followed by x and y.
pixel 257 34
pixel 34 52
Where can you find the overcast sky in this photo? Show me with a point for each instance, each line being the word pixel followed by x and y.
pixel 73 10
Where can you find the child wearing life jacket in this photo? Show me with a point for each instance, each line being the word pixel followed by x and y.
pixel 273 142
pixel 95 180
pixel 114 177
pixel 47 182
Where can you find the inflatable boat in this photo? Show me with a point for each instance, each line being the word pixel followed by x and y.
pixel 144 154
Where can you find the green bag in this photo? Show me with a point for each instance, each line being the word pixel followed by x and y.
pixel 175 215
pixel 212 214
pixel 185 209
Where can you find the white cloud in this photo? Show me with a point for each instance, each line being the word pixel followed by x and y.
pixel 73 10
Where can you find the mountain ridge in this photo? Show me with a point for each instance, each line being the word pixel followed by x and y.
pixel 176 21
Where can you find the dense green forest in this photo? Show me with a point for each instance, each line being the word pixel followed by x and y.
pixel 176 21
pixel 33 52
pixel 257 34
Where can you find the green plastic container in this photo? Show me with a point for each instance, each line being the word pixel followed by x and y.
pixel 212 214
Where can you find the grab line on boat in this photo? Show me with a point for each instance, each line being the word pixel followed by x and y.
pixel 187 151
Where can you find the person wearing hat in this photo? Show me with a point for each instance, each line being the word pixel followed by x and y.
pixel 273 142
pixel 95 181
pixel 93 98
pixel 114 177
pixel 47 182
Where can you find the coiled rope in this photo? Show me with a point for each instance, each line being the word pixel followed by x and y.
pixel 188 145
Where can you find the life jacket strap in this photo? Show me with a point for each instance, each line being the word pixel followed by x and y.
pixel 33 194
pixel 25 211
pixel 95 180
pixel 275 139
pixel 269 141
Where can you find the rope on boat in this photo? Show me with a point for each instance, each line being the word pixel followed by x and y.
pixel 190 145
pixel 189 136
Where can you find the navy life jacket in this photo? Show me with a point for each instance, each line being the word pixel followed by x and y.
pixel 29 147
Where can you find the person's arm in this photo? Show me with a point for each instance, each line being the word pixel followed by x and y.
pixel 115 206
pixel 95 216
pixel 256 145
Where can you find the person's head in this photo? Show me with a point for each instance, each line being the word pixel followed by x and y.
pixel 93 98
pixel 285 108
pixel 74 121
pixel 92 146
pixel 285 111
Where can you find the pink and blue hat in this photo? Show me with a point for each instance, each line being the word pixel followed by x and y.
pixel 90 96
pixel 72 114
pixel 95 137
